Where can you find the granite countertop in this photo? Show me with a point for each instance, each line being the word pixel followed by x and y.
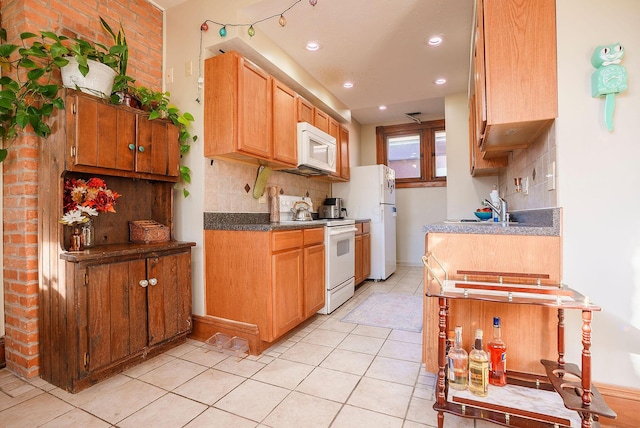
pixel 541 222
pixel 257 222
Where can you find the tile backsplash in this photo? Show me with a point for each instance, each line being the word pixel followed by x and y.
pixel 229 187
pixel 532 163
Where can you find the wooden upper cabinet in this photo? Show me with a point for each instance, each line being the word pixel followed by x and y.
pixel 115 140
pixel 237 108
pixel 284 110
pixel 254 110
pixel 306 111
pixel 344 153
pixel 321 120
pixel 480 99
pixel 334 131
pixel 479 166
pixel 520 71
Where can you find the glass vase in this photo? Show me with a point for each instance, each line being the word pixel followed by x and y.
pixel 88 234
pixel 75 240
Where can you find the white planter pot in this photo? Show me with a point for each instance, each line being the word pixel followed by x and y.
pixel 99 80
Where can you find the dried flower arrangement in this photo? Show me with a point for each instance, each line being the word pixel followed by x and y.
pixel 84 199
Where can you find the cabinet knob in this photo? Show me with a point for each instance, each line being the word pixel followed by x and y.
pixel 132 146
pixel 143 283
pixel 141 149
pixel 153 281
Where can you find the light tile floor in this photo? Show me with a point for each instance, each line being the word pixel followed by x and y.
pixel 325 373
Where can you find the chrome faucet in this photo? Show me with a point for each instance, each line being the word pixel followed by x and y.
pixel 500 211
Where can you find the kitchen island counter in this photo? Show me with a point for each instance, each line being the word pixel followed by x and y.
pixel 542 222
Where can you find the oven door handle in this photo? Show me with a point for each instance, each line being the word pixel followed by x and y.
pixel 333 231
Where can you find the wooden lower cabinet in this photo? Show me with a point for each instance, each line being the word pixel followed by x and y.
pixel 314 279
pixel 363 252
pixel 123 307
pixel 538 256
pixel 272 280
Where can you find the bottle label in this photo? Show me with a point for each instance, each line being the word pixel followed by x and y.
pixel 479 375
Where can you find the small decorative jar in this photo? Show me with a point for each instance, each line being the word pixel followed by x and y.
pixel 75 241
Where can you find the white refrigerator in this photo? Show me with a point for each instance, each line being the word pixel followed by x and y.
pixel 371 194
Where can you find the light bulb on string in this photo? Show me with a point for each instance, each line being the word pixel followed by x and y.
pixel 223 31
pixel 282 21
pixel 313 2
pixel 204 26
pixel 251 32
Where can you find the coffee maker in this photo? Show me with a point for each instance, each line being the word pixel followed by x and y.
pixel 332 208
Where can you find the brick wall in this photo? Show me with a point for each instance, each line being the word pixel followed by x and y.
pixel 142 23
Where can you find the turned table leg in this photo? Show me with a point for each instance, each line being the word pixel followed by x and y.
pixel 442 359
pixel 561 337
pixel 586 366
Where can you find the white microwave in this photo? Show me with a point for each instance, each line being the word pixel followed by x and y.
pixel 316 151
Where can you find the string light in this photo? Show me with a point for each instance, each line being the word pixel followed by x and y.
pixel 251 31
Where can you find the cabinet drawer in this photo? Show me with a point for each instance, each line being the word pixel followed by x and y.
pixel 287 239
pixel 366 227
pixel 313 236
pixel 358 229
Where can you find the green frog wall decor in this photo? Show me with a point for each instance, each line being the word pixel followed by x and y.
pixel 609 79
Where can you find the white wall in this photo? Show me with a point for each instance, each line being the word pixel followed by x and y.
pixel 598 184
pixel 464 192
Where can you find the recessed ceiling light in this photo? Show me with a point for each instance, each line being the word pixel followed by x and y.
pixel 348 85
pixel 435 40
pixel 313 46
pixel 382 108
pixel 440 81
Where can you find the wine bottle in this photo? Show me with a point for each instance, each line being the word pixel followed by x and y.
pixel 458 363
pixel 497 356
pixel 478 368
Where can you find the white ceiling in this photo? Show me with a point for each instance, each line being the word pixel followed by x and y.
pixel 379 45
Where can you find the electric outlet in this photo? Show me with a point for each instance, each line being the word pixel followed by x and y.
pixel 188 68
pixel 262 199
pixel 170 75
pixel 551 176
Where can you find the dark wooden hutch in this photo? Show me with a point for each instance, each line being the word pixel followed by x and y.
pixel 114 305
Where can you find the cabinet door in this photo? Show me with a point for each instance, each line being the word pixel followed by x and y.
pixel 366 256
pixel 334 131
pixel 116 312
pixel 480 100
pixel 305 111
pixel 314 279
pixel 169 296
pixel 157 150
pixel 321 120
pixel 344 153
pixel 254 110
pixel 102 134
pixel 358 261
pixel 285 143
pixel 286 283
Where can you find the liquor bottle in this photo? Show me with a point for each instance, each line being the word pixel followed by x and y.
pixel 478 368
pixel 497 356
pixel 458 363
